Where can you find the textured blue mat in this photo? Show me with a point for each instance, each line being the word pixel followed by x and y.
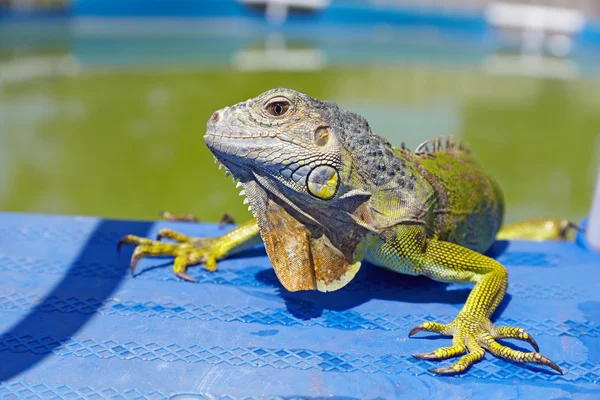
pixel 73 323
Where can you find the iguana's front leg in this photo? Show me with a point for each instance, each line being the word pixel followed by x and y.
pixel 193 250
pixel 411 252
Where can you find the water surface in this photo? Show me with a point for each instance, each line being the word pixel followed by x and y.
pixel 85 129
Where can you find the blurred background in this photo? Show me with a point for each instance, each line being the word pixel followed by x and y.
pixel 103 103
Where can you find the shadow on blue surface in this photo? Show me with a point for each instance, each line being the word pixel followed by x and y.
pixel 40 323
pixel 402 288
pixel 366 286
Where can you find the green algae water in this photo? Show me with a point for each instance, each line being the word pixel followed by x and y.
pixel 85 136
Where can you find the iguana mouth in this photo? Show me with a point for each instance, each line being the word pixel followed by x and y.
pixel 225 159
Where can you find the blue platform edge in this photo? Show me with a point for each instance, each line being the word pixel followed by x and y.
pixel 75 324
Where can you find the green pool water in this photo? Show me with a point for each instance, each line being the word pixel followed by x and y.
pixel 128 142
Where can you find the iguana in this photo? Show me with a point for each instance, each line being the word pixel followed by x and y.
pixel 326 193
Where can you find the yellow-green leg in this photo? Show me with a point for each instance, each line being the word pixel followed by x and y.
pixel 410 251
pixel 190 250
pixel 538 229
pixel 473 328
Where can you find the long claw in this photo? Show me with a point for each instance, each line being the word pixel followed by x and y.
pixel 426 356
pixel 533 343
pixel 120 244
pixel 134 260
pixel 185 276
pixel 541 359
pixel 553 365
pixel 415 330
pixel 127 239
pixel 444 371
pixel 132 269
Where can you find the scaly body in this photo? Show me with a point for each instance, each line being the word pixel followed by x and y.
pixel 327 193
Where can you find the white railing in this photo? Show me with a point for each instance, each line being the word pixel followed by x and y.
pixel 276 11
pixel 529 16
pixel 540 26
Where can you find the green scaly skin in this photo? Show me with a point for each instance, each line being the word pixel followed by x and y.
pixel 326 193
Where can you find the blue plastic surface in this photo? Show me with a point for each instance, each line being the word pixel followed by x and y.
pixel 74 323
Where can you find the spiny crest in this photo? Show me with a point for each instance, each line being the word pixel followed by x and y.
pixel 237 182
pixel 438 146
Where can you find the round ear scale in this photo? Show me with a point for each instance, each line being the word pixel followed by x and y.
pixel 321 136
pixel 323 182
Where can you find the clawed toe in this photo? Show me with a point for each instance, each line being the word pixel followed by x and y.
pixel 442 353
pixel 487 341
pixel 430 326
pixel 131 239
pixel 184 275
pixel 426 356
pixel 444 371
pixel 508 332
pixel 187 251
pixel 476 339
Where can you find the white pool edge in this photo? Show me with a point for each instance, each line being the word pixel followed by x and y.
pixel 593 228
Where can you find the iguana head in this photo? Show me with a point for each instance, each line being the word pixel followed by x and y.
pixel 285 136
pixel 307 168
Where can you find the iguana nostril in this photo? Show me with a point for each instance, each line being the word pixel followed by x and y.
pixel 215 117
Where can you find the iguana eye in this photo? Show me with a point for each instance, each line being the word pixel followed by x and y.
pixel 321 136
pixel 322 182
pixel 278 107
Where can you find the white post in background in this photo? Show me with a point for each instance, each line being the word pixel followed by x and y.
pixel 276 11
pixel 593 228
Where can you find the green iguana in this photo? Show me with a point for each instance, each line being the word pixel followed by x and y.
pixel 327 193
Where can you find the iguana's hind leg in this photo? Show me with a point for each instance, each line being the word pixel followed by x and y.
pixel 192 251
pixel 408 250
pixel 472 330
pixel 539 229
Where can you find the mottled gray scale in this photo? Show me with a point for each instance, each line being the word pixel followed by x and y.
pixel 242 151
pixel 272 155
pixel 300 175
pixel 286 173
